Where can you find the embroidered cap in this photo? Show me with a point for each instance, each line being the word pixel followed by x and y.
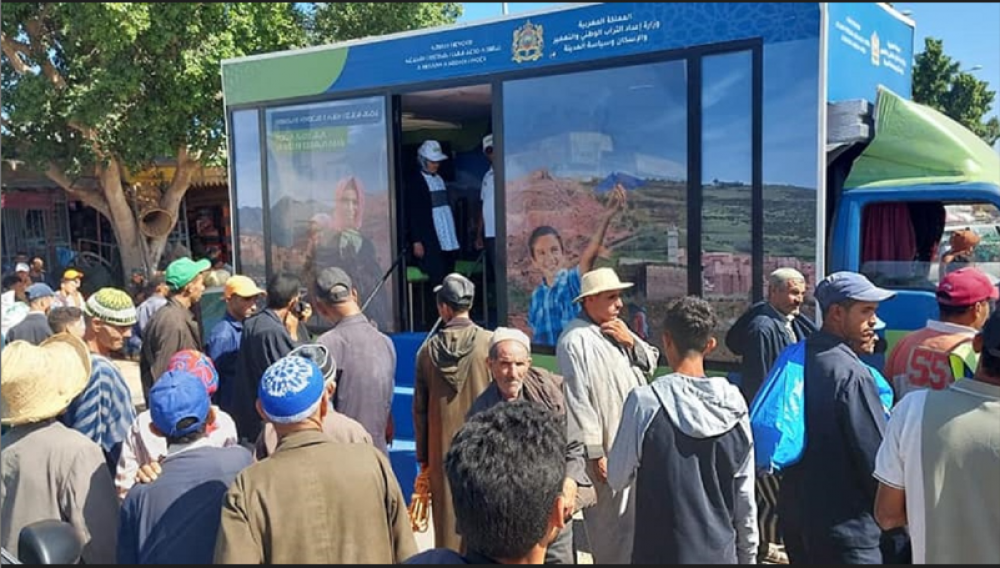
pixel 290 390
pixel 112 306
pixel 197 364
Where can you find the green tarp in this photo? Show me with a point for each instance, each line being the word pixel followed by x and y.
pixel 917 145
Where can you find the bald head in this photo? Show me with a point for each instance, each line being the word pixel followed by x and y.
pixel 786 290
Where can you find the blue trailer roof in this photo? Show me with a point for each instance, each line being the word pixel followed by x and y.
pixel 575 34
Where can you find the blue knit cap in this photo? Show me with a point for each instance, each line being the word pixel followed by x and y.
pixel 290 390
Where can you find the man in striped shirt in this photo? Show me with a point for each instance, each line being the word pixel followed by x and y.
pixel 104 411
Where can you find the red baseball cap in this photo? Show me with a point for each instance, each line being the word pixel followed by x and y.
pixel 965 287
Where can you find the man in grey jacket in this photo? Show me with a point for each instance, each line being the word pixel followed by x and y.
pixel 685 440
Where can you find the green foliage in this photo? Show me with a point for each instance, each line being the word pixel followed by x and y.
pixel 939 82
pixel 132 81
pixel 332 22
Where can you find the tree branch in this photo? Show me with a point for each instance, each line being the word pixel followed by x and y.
pixel 12 49
pixel 89 197
pixel 186 166
pixel 39 49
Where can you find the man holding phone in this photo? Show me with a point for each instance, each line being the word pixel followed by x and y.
pixel 266 337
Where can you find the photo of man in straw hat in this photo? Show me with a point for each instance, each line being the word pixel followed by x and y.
pixel 51 471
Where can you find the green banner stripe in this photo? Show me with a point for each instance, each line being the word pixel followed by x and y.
pixel 282 77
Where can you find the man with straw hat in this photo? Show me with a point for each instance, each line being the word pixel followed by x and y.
pixel 51 471
pixel 601 361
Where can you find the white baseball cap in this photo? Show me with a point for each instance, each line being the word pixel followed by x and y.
pixel 431 150
pixel 487 141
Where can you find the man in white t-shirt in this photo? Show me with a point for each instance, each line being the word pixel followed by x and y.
pixel 938 463
pixel 486 231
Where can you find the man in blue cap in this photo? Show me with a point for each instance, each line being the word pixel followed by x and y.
pixel 34 328
pixel 825 504
pixel 174 520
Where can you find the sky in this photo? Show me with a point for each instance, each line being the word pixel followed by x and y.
pixel 969 31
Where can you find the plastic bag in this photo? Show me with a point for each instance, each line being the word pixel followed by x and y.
pixel 777 413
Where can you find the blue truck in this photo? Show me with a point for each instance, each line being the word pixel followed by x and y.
pixel 747 137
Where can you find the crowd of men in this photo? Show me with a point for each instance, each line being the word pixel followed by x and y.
pixel 259 443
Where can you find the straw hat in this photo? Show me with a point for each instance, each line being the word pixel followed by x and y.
pixel 39 382
pixel 598 281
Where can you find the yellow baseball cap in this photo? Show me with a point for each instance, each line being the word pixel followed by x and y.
pixel 72 274
pixel 241 286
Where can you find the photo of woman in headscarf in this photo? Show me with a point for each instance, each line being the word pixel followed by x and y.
pixel 341 244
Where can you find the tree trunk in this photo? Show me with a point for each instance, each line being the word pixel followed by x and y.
pixel 136 250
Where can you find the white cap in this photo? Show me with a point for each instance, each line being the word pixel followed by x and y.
pixel 502 334
pixel 487 141
pixel 431 150
pixel 22 267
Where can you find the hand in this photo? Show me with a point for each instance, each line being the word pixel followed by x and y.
pixel 618 331
pixel 148 473
pixel 600 469
pixel 569 498
pixel 307 311
pixel 616 201
pixel 479 242
pixel 418 250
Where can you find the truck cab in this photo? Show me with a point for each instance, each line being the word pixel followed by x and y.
pixel 898 194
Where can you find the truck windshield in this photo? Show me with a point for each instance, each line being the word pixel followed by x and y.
pixel 912 245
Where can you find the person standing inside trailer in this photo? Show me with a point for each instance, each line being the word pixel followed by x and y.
pixel 430 223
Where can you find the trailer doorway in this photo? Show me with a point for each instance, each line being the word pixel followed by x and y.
pixel 458 119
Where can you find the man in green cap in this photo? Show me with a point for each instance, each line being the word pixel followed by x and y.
pixel 173 327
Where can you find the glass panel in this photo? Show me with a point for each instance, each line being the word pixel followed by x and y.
pixel 569 141
pixel 791 172
pixel 328 186
pixel 912 245
pixel 727 171
pixel 245 134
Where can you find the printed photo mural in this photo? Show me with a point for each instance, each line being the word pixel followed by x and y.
pixel 596 176
pixel 327 167
pixel 790 161
pixel 245 134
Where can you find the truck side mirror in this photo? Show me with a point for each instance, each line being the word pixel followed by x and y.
pixel 49 542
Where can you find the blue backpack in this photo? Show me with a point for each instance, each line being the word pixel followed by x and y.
pixel 777 413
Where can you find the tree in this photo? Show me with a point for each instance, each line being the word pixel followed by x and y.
pixel 332 22
pixel 100 90
pixel 104 89
pixel 939 82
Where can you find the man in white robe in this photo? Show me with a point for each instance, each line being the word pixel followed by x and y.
pixel 602 360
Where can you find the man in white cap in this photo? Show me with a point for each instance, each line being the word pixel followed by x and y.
pixel 486 230
pixel 430 223
pixel 51 471
pixel 602 360
pixel 514 378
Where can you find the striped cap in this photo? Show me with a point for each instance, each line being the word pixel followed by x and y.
pixel 112 306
